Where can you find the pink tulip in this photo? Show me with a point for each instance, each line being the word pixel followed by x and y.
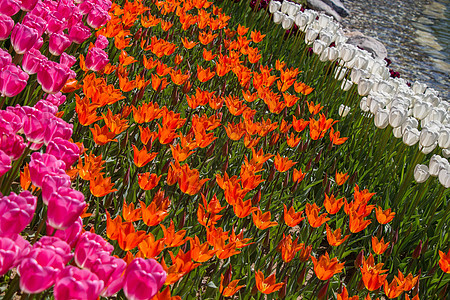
pixel 66 9
pixel 8 254
pixel 9 122
pixel 24 246
pixel 12 145
pixel 57 245
pixel 143 279
pixel 46 106
pixel 52 77
pixel 16 212
pixel 9 7
pixel 12 80
pixel 86 6
pixel 55 23
pixel 67 60
pixel 28 5
pixel 6 25
pixel 43 164
pixel 38 43
pixel 101 42
pixel 35 22
pixel 23 38
pixel 58 43
pixel 78 33
pixel 5 58
pixel 96 59
pixel 56 99
pixel 110 270
pixel 70 235
pixel 97 17
pixel 89 247
pixel 41 9
pixel 64 150
pixel 51 183
pixel 64 207
pixel 35 125
pixel 32 61
pixel 39 270
pixel 74 283
pixel 5 163
pixel 57 127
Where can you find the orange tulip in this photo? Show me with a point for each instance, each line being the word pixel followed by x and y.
pixel 292 218
pixel 129 238
pixel 113 226
pixel 299 125
pixel 384 216
pixel 143 157
pixel 207 55
pixel 444 262
pixel 357 222
pixel 344 295
pixel 298 175
pixel 148 181
pixel 102 135
pixel 293 141
pixel 178 77
pixel 256 36
pixel 312 212
pixel 200 252
pixel 204 75
pixel 151 214
pixel 341 178
pixel 334 238
pixel 151 248
pixel 129 213
pixel 243 209
pixel 165 295
pixel 282 164
pixel 335 137
pixel 392 290
pixel 189 180
pixel 172 238
pixel 289 248
pixel 267 285
pixel 187 44
pixel 408 282
pixel 302 88
pixel 332 205
pixel 371 274
pixel 325 267
pixel 379 246
pixel 314 109
pixel 262 221
pixel 231 288
pixel 100 186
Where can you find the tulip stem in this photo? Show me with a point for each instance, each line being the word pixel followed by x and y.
pixel 2 101
pixel 13 287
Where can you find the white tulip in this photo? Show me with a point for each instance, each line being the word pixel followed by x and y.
pixel 411 122
pixel 381 118
pixel 410 136
pixel 435 165
pixel 287 22
pixel 274 6
pixel 318 47
pixel 432 99
pixel 324 55
pixel 446 153
pixel 364 86
pixel 421 109
pixel 333 27
pixel 301 20
pixel 348 52
pixel 346 84
pixel 311 35
pixel 285 6
pixel 376 104
pixel 340 39
pixel 444 137
pixel 339 73
pixel 363 104
pixel 278 17
pixel 324 20
pixel 418 87
pixel 326 37
pixel 396 117
pixel 421 173
pixel 397 132
pixel 293 9
pixel 333 54
pixel 428 136
pixel 444 178
pixel 361 62
pixel 429 149
pixel 343 110
pixel 437 114
pixel 386 87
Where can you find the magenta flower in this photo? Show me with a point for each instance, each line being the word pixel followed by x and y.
pixel 101 42
pixel 46 106
pixel 57 127
pixel 58 43
pixel 39 270
pixel 8 254
pixel 5 58
pixel 6 25
pixel 143 279
pixel 9 122
pixel 97 17
pixel 55 23
pixel 23 38
pixel 64 150
pixel 78 33
pixel 5 163
pixel 96 59
pixel 12 80
pixel 32 61
pixel 35 22
pixel 38 43
pixel 111 271
pixel 16 212
pixel 50 183
pixel 43 164
pixel 12 145
pixel 28 5
pixel 9 7
pixel 56 244
pixel 67 60
pixel 34 126
pixel 74 283
pixel 24 246
pixel 64 207
pixel 70 235
pixel 52 76
pixel 58 98
pixel 89 247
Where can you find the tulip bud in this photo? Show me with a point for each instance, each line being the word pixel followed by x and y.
pixel 301 276
pixel 165 167
pixel 327 189
pixel 225 149
pixel 318 156
pixel 359 259
pixel 325 180
pixel 266 242
pixel 360 285
pixel 395 237
pixel 443 292
pixel 227 276
pixel 352 179
pixel 322 294
pixel 225 166
pixel 182 221
pixel 282 292
pixel 308 165
pixel 271 174
pixel 417 251
pixel 254 291
pixel 274 139
pixel 415 289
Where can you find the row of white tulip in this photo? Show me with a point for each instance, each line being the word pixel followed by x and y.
pixel 389 100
